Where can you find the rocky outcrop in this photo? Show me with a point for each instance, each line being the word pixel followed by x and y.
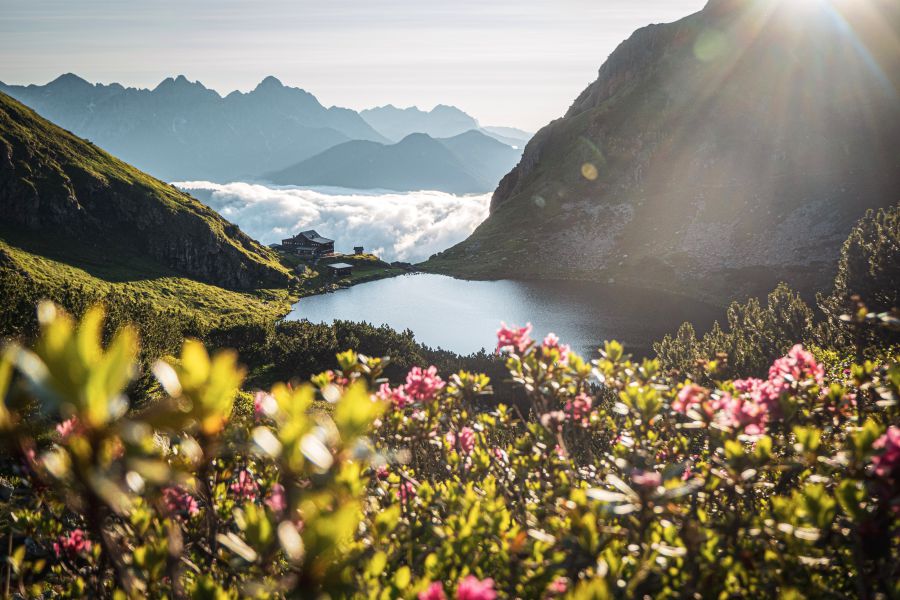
pixel 714 156
pixel 58 185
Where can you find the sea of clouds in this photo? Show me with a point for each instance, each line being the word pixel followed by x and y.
pixel 406 226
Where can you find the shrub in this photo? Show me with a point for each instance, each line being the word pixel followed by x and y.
pixel 619 481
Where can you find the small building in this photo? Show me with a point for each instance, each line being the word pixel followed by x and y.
pixel 309 243
pixel 358 249
pixel 340 269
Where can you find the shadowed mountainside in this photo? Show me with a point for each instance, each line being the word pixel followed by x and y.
pixel 713 156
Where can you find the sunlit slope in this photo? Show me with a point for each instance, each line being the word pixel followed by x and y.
pixel 57 188
pixel 713 156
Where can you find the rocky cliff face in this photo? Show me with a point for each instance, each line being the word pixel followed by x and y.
pixel 713 156
pixel 60 186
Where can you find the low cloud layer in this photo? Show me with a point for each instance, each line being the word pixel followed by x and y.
pixel 396 226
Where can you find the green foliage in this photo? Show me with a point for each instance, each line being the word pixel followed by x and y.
pixel 756 335
pixel 617 482
pixel 869 273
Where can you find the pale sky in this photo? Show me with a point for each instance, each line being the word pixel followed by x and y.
pixel 507 62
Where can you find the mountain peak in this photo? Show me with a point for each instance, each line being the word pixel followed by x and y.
pixel 69 80
pixel 269 82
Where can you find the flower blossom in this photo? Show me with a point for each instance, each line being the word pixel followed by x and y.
pixel 690 397
pixel 649 480
pixel 797 366
pixel 551 343
pixel 747 412
pixel 435 591
pixel 69 427
pixel 244 487
pixel 179 502
pixel 887 463
pixel 396 396
pixel 464 441
pixel 558 586
pixel 406 492
pixel 471 588
pixel 263 404
pixel 73 544
pixel 513 339
pixel 423 384
pixel 276 500
pixel 579 408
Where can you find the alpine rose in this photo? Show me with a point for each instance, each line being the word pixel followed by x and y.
pixel 513 339
pixel 471 588
pixel 179 502
pixel 551 343
pixel 435 591
pixel 423 384
pixel 68 427
pixel 73 544
pixel 276 501
pixel 689 397
pixel 579 408
pixel 244 487
pixel 396 396
pixel 887 463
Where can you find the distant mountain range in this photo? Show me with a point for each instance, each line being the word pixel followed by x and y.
pixel 440 122
pixel 470 162
pixel 714 156
pixel 181 130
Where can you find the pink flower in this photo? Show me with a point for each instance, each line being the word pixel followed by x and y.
pixel 263 404
pixel 471 588
pixel 579 408
pixel 396 396
pixel 179 502
pixel 551 344
pixel 887 463
pixel 406 492
pixel 244 487
pixel 560 452
pixel 798 366
pixel 277 500
pixel 558 586
pixel 69 427
pixel 435 591
pixel 467 440
pixel 382 472
pixel 512 339
pixel 749 412
pixel 423 384
pixel 649 480
pixel 501 455
pixel 73 544
pixel 689 397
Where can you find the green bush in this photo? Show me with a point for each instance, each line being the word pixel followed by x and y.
pixel 619 481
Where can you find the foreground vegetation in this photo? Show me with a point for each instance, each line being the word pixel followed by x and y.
pixel 619 481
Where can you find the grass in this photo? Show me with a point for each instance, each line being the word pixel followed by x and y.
pixel 315 279
pixel 55 263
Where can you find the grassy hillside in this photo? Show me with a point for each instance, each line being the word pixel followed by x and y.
pixel 56 185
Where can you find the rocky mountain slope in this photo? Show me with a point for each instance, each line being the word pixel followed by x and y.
pixel 183 131
pixel 57 188
pixel 714 156
pixel 467 163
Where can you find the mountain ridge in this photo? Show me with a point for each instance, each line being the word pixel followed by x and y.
pixel 470 162
pixel 184 130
